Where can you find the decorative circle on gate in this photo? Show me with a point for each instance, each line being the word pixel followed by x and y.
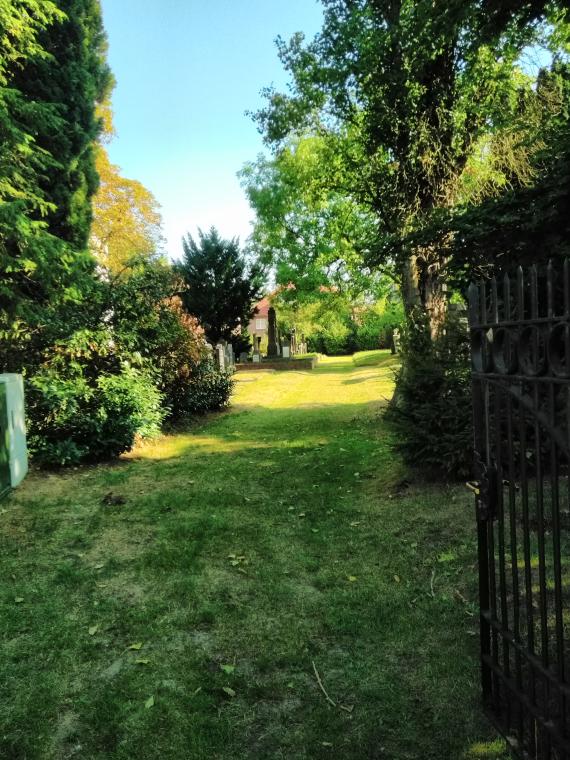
pixel 504 351
pixel 559 349
pixel 532 351
pixel 481 351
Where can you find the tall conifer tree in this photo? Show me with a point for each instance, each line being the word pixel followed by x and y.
pixel 53 73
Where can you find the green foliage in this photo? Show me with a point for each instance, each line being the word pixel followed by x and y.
pixel 208 390
pixel 524 223
pixel 307 227
pixel 431 412
pixel 85 405
pixel 52 71
pixel 375 327
pixel 422 105
pixel 334 325
pixel 220 287
pixel 69 80
pixel 148 320
pixel 104 360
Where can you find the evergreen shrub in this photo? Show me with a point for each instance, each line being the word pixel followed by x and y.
pixel 431 412
pixel 209 389
pixel 86 405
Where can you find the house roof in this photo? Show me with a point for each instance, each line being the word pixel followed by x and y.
pixel 262 308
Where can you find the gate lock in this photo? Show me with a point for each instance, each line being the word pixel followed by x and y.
pixel 486 492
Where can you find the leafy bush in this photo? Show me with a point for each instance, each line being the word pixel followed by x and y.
pixel 432 409
pixel 335 338
pixel 84 405
pixel 148 318
pixel 375 329
pixel 364 329
pixel 209 389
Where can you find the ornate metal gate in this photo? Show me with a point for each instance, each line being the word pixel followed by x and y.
pixel 520 338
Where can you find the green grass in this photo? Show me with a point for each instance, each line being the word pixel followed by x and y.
pixel 263 541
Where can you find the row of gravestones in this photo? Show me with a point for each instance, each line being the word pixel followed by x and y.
pixel 222 355
pixel 285 348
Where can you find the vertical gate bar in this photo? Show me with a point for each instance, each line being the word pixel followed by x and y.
pixel 550 290
pixel 513 524
pixel 543 600
pixel 474 306
pixel 494 301
pixel 526 523
pixel 483 301
pixel 491 556
pixel 555 507
pixel 475 318
pixel 499 411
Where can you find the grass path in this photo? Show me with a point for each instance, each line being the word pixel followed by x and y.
pixel 176 605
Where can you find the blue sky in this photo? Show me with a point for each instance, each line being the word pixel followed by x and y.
pixel 186 71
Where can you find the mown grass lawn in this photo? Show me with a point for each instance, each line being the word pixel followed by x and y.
pixel 176 604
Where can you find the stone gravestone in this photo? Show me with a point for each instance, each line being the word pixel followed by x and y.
pixel 229 355
pixel 244 357
pixel 209 353
pixel 257 349
pixel 396 340
pixel 286 348
pixel 272 347
pixel 293 342
pixel 220 356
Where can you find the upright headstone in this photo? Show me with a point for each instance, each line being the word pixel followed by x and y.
pixel 293 342
pixel 244 357
pixel 272 348
pixel 257 349
pixel 220 356
pixel 228 358
pixel 285 348
pixel 209 353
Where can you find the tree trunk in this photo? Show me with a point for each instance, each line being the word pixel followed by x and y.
pixel 433 293
pixel 422 288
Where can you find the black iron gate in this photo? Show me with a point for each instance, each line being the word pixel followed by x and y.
pixel 520 338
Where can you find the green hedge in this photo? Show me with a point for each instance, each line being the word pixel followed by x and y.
pixel 432 411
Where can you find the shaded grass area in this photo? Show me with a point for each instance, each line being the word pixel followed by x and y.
pixel 176 605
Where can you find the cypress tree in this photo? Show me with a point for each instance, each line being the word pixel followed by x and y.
pixel 73 78
pixel 53 73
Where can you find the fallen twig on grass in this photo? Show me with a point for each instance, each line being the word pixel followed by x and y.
pixel 431 583
pixel 329 700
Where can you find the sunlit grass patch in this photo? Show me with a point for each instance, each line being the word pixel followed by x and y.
pixel 241 554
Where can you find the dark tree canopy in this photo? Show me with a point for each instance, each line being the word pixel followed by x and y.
pixel 221 288
pixel 52 75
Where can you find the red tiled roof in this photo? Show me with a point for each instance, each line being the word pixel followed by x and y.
pixel 262 308
pixel 264 305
